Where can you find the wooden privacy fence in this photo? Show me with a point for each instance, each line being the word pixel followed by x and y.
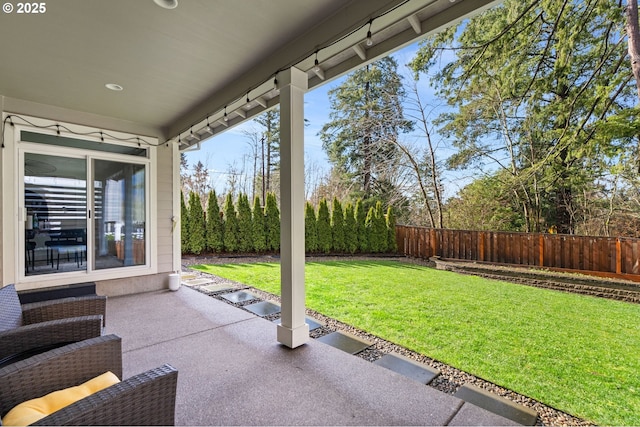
pixel 609 255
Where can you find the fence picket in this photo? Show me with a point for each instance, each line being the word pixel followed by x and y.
pixel 582 253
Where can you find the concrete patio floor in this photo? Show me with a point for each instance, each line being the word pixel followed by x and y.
pixel 232 371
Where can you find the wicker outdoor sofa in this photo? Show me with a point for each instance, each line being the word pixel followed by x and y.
pixel 26 329
pixel 144 399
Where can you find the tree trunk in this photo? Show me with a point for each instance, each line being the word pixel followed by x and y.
pixel 268 178
pixel 366 185
pixel 633 36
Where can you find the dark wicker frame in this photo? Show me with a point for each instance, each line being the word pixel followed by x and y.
pixel 144 399
pixel 42 325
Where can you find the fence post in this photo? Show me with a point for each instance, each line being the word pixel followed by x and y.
pixel 433 250
pixel 541 250
pixel 618 256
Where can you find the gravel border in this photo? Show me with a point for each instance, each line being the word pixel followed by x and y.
pixel 450 378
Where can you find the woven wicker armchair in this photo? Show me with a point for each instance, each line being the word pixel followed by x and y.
pixel 30 328
pixel 144 399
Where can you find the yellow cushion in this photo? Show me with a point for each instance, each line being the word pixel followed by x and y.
pixel 32 410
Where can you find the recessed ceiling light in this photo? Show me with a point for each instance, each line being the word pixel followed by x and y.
pixel 167 4
pixel 114 87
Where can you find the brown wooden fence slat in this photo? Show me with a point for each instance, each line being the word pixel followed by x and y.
pixel 583 253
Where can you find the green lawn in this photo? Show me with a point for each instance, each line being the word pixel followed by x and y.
pixel 576 353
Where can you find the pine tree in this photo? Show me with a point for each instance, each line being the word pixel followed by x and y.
pixel 272 219
pixel 392 244
pixel 381 228
pixel 215 224
pixel 245 228
pixel 197 226
pixel 324 228
pixel 366 114
pixel 361 230
pixel 230 225
pixel 310 229
pixel 258 226
pixel 184 225
pixel 337 225
pixel 350 230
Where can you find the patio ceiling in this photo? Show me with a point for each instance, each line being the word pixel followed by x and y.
pixel 180 68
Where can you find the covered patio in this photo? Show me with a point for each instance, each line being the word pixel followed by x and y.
pixel 123 88
pixel 233 372
pixel 98 100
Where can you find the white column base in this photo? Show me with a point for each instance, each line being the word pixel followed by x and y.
pixel 293 338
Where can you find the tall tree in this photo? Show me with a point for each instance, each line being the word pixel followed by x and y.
pixel 245 228
pixel 529 84
pixel 392 244
pixel 258 226
pixel 350 230
pixel 366 117
pixel 361 230
pixel 310 229
pixel 270 146
pixel 337 225
pixel 200 180
pixel 325 242
pixel 272 219
pixel 184 224
pixel 633 36
pixel 197 225
pixel 215 225
pixel 230 225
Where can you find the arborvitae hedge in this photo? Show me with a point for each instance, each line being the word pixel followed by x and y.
pixel 215 225
pixel 245 229
pixel 381 228
pixel 392 244
pixel 350 230
pixel 310 229
pixel 325 241
pixel 361 230
pixel 272 214
pixel 258 226
pixel 369 225
pixel 197 225
pixel 337 225
pixel 230 225
pixel 184 224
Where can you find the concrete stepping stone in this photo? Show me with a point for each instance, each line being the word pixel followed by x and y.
pixel 497 404
pixel 196 282
pixel 263 308
pixel 240 296
pixel 345 342
pixel 409 368
pixel 313 324
pixel 217 287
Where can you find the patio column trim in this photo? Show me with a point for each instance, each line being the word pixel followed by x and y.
pixel 293 331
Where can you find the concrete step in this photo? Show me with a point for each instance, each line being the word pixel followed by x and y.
pixel 345 342
pixel 409 368
pixel 497 404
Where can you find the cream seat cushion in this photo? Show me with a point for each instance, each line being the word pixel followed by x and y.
pixel 32 410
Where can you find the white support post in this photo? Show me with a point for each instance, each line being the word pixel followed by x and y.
pixel 293 331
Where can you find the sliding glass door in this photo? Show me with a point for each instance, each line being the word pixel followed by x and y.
pixel 120 214
pixel 55 201
pixel 83 212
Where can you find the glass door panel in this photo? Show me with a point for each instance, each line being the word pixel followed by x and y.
pixel 55 198
pixel 120 212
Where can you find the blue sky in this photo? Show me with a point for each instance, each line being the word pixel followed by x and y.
pixel 229 148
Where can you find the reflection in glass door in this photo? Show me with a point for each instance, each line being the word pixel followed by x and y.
pixel 55 198
pixel 120 212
